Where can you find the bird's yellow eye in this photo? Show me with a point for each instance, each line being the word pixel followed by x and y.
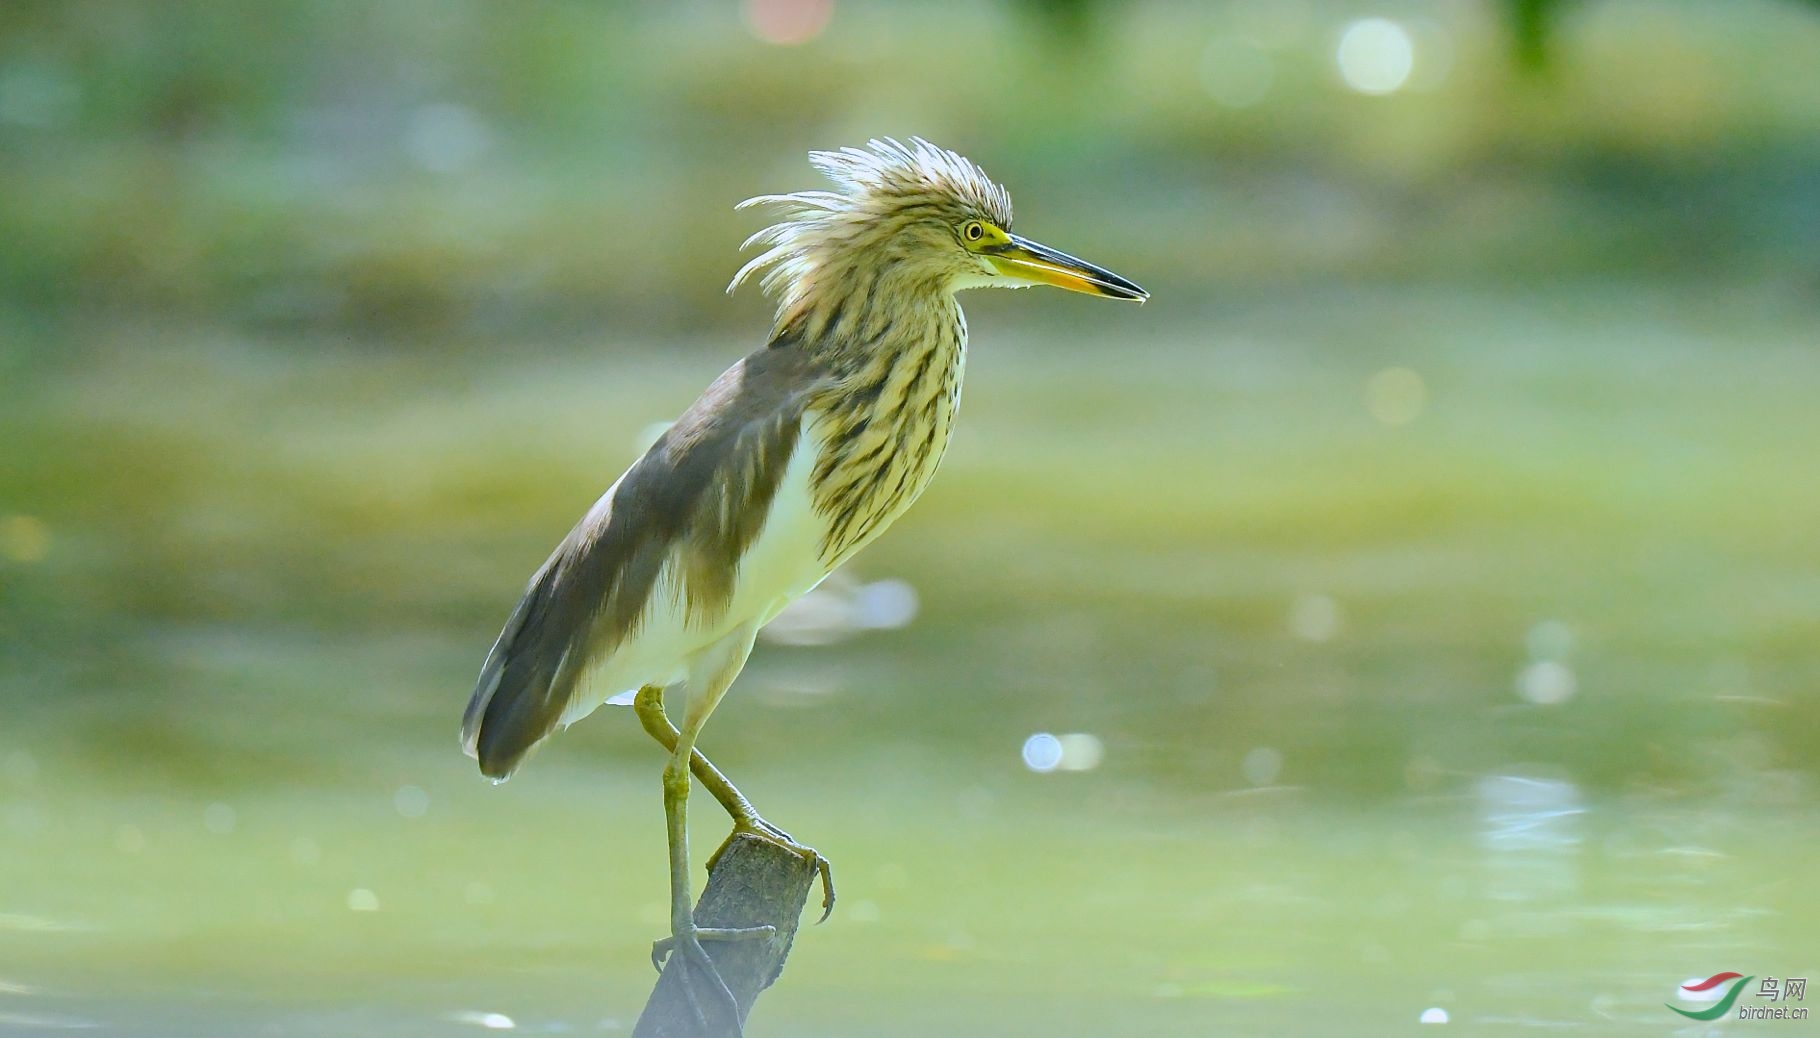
pixel 973 230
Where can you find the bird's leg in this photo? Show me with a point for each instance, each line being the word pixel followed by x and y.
pixel 685 937
pixel 649 705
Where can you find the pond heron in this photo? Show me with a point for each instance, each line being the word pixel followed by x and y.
pixel 789 463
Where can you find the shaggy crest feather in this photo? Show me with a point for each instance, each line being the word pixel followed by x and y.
pixel 874 182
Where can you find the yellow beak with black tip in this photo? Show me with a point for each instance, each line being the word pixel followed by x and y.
pixel 1037 264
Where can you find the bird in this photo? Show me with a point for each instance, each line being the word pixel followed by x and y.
pixel 789 463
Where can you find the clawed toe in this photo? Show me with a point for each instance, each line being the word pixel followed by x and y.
pixel 826 871
pixel 697 964
pixel 695 957
pixel 660 949
pixel 765 830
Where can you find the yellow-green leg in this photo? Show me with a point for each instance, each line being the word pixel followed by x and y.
pixel 685 937
pixel 710 672
pixel 649 706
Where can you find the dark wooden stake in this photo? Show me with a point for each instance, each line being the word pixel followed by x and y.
pixel 755 883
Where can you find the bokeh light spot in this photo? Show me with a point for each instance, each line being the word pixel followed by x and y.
pixel 1262 765
pixel 1375 56
pixel 1073 751
pixel 885 604
pixel 1434 1015
pixel 1042 752
pixel 841 607
pixel 1314 618
pixel 360 899
pixel 788 22
pixel 490 1021
pixel 411 801
pixel 1546 683
pixel 1081 751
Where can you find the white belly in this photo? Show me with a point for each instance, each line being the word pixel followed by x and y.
pixel 785 562
pixel 782 564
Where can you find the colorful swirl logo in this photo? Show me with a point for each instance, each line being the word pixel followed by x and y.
pixel 1721 1007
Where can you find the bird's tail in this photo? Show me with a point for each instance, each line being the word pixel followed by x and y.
pixel 524 685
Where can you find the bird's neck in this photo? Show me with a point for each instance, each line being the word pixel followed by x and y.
pixel 894 359
pixel 879 338
pixel 847 310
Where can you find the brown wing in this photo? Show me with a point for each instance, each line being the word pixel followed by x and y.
pixel 699 497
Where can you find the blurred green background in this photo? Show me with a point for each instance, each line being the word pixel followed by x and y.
pixel 1412 613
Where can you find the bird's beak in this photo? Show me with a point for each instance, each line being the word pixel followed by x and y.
pixel 1036 264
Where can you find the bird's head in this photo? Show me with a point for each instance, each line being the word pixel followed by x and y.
pixel 916 214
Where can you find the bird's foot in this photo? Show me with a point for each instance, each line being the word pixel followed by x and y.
pixel 699 968
pixel 660 950
pixel 756 826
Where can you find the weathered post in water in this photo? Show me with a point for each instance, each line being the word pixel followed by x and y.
pixel 755 883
